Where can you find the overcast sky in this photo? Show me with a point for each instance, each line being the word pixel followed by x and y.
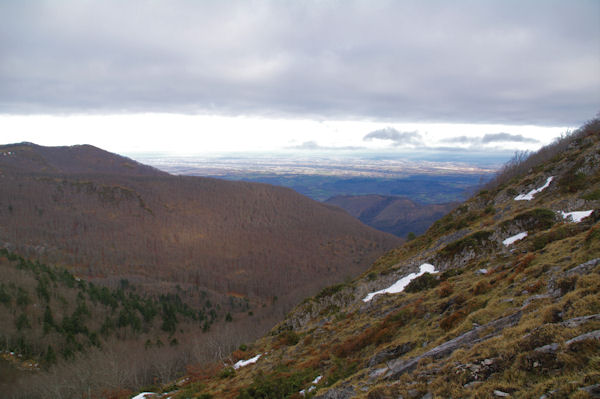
pixel 187 76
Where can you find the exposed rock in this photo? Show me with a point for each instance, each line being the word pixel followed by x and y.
pixel 591 335
pixel 457 235
pixel 472 384
pixel 551 348
pixel 392 353
pixel 583 268
pixel 593 390
pixel 501 394
pixel 400 366
pixel 577 321
pixel 534 298
pixel 338 393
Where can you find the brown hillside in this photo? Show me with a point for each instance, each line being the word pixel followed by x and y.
pixel 108 215
pixel 392 214
pixel 78 159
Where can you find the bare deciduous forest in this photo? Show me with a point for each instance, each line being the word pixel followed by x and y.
pixel 115 269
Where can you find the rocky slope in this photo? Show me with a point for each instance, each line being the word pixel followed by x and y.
pixel 506 314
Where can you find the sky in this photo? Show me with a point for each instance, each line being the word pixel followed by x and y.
pixel 185 77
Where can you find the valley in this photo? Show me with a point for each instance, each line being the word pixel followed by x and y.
pixel 320 177
pixel 123 276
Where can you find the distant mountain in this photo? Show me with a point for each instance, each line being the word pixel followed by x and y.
pixel 392 214
pixel 107 216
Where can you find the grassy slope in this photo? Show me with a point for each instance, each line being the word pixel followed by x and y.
pixel 360 348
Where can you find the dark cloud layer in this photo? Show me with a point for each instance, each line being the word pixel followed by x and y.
pixel 495 61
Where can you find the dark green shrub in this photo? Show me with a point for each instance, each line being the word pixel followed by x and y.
pixel 289 338
pixel 592 196
pixel 340 370
pixel 22 297
pixel 489 210
pixel 277 385
pixel 573 182
pixel 423 282
pixel 22 322
pixel 567 284
pixel 227 372
pixel 5 297
pixel 329 291
pixel 450 273
pixel 539 218
pixel 471 241
pixel 541 240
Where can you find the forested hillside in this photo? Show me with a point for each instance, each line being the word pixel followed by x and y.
pixel 396 215
pixel 107 217
pixel 116 275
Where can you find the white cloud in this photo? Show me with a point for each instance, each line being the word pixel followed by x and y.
pixel 195 134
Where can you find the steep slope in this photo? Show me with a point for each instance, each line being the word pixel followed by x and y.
pixel 105 215
pixel 396 215
pixel 50 317
pixel 505 314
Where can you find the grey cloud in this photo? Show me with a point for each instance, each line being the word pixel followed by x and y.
pixel 397 138
pixel 490 138
pixel 495 61
pixel 506 137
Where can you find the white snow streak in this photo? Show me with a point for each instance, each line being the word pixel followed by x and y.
pixel 399 285
pixel 312 387
pixel 517 237
pixel 576 216
pixel 142 395
pixel 529 195
pixel 243 363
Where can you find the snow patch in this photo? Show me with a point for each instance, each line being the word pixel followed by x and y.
pixel 517 237
pixel 576 216
pixel 243 363
pixel 143 395
pixel 312 387
pixel 529 196
pixel 399 285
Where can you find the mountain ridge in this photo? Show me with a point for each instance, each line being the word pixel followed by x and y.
pixel 76 159
pixel 504 315
pixel 159 219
